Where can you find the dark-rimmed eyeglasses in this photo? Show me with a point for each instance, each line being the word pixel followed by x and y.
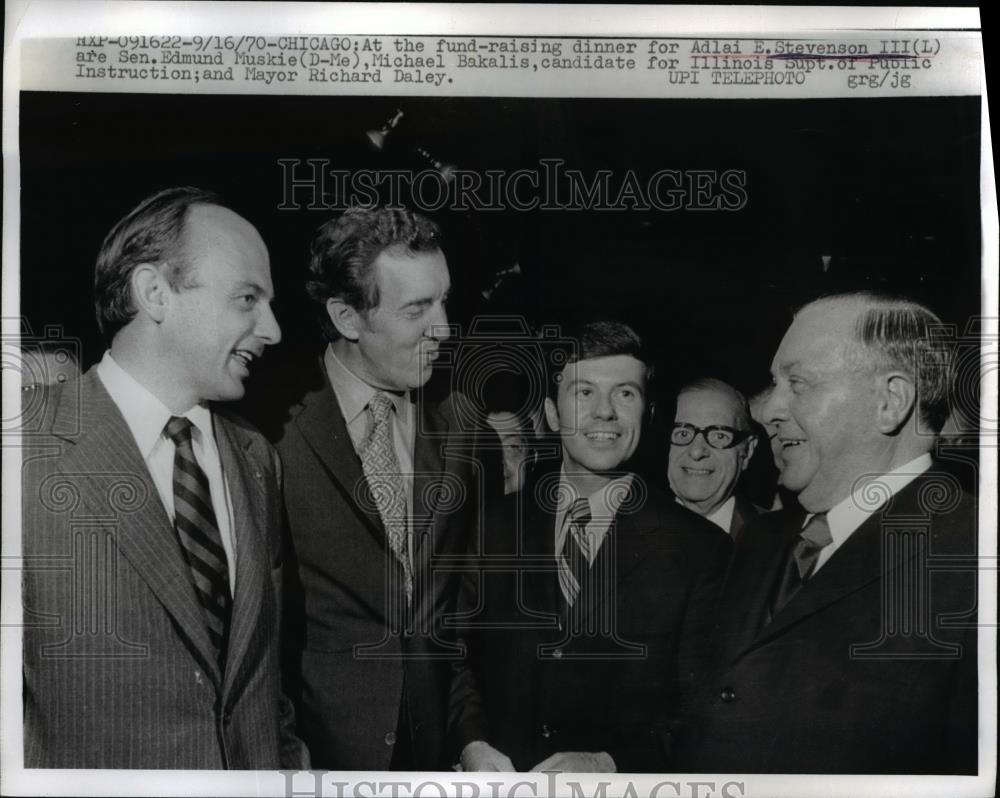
pixel 717 436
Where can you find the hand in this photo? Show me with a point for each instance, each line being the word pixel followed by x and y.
pixel 479 755
pixel 577 762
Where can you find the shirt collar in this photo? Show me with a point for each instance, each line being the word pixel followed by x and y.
pixel 144 413
pixel 722 516
pixel 353 393
pixel 606 501
pixel 870 496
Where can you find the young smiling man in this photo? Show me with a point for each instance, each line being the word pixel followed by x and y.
pixel 593 590
pixel 163 646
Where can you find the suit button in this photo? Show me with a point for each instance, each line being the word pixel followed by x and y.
pixel 557 654
pixel 390 738
pixel 546 731
pixel 728 695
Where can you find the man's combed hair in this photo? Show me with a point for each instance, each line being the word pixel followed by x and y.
pixel 152 232
pixel 596 339
pixel 899 334
pixel 344 250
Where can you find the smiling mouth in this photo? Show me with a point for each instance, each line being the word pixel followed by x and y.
pixel 697 472
pixel 245 356
pixel 603 436
pixel 788 443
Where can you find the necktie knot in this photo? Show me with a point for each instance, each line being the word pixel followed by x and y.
pixel 579 513
pixel 802 560
pixel 178 429
pixel 381 406
pixel 817 531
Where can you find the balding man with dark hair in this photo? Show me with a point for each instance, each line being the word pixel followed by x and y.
pixel 840 650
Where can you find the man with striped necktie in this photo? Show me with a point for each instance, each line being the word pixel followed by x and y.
pixel 151 639
pixel 593 590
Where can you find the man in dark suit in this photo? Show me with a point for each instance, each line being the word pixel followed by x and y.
pixel 151 518
pixel 379 489
pixel 847 631
pixel 593 592
pixel 711 444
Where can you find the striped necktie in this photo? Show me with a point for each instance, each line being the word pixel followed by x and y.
pixel 574 559
pixel 199 535
pixel 381 468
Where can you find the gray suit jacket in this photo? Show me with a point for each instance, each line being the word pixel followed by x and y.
pixel 118 668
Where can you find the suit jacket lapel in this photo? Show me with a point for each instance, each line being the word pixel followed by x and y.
pixel 743 511
pixel 861 560
pixel 429 467
pixel 322 424
pixel 541 585
pixel 632 522
pixel 144 534
pixel 756 563
pixel 242 467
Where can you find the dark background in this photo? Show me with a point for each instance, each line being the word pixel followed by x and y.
pixel 889 188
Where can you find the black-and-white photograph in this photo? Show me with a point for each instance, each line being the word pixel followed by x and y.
pixel 390 433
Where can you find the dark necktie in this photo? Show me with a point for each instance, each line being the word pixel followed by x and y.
pixel 575 551
pixel 381 468
pixel 199 535
pixel 802 560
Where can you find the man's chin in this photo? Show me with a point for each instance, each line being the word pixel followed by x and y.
pixel 607 468
pixel 232 392
pixel 423 377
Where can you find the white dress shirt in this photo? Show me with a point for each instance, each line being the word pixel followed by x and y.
pixel 867 499
pixel 722 516
pixel 146 417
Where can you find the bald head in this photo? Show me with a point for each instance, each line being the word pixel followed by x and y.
pixel 849 399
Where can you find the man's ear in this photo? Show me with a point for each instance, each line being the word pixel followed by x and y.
pixel 745 457
pixel 150 291
pixel 344 317
pixel 551 414
pixel 897 397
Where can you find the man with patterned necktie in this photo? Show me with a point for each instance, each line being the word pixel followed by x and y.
pixel 593 593
pixel 154 642
pixel 377 490
pixel 847 632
